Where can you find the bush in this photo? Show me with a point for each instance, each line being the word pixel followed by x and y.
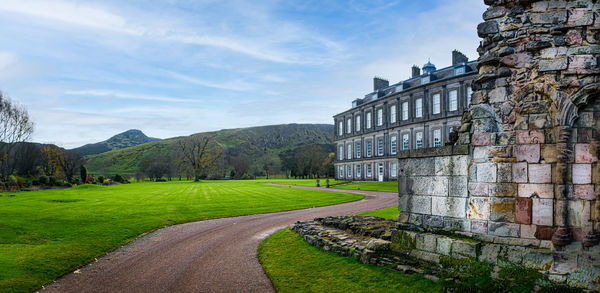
pixel 100 179
pixel 43 180
pixel 119 178
pixel 12 180
pixel 106 182
pixel 52 181
pixel 245 177
pixel 20 181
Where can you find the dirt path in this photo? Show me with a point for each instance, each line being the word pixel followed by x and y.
pixel 216 255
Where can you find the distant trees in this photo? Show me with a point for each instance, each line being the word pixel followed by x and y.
pixel 306 161
pixel 156 166
pixel 57 160
pixel 15 126
pixel 200 154
pixel 240 165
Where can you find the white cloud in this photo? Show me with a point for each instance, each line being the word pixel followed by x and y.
pixel 124 95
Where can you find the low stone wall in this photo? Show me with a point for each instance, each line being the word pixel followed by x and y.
pixel 405 247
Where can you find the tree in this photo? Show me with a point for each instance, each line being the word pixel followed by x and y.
pixel 83 174
pixel 50 160
pixel 199 154
pixel 287 162
pixel 69 162
pixel 240 165
pixel 268 166
pixel 15 126
pixel 156 166
pixel 309 160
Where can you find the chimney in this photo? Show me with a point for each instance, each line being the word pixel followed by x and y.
pixel 458 57
pixel 416 71
pixel 380 83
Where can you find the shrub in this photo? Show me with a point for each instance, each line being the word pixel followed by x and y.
pixel 100 179
pixel 51 181
pixel 43 180
pixel 83 173
pixel 119 178
pixel 20 181
pixel 106 182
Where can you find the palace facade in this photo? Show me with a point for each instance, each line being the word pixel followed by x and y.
pixel 416 113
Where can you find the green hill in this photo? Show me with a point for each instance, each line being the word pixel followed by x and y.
pixel 122 140
pixel 255 143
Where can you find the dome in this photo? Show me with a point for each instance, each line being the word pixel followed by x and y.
pixel 428 68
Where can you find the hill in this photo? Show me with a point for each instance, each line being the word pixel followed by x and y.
pixel 256 143
pixel 122 140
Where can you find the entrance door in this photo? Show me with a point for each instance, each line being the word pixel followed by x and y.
pixel 380 172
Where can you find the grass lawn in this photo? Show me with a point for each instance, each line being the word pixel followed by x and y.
pixel 300 182
pixel 295 266
pixel 391 186
pixel 45 234
pixel 387 213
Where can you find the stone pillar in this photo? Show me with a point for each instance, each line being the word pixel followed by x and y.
pixel 538 70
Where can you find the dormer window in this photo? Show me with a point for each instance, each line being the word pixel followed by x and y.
pixel 425 79
pixel 399 88
pixel 459 70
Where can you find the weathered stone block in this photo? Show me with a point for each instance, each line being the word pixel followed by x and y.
pixel 444 246
pixel 462 248
pixel 543 232
pixel 498 95
pixel 452 224
pixel 523 212
pixel 564 262
pixel 503 190
pixel 549 153
pixel 528 231
pixel 519 172
pixel 458 186
pixel 489 252
pixel 582 173
pixel 580 16
pixel 530 136
pixel 415 219
pixel 478 189
pixel 502 209
pixel 481 139
pixel 538 259
pixel 425 256
pixel 449 206
pixel 584 191
pixel 460 165
pixel 443 166
pixel 421 166
pixel 430 185
pixel 560 63
pixel 504 172
pixel 542 211
pixel 527 152
pixel 579 213
pixel 583 154
pixel 540 173
pixel 403 200
pixel 479 208
pixel 378 245
pixel 514 254
pixel 536 190
pixel 487 28
pixel 433 221
pixel 420 204
pixel 480 227
pixel 426 242
pixel 486 172
pixel 503 229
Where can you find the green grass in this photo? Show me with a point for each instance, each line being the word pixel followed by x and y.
pixel 391 186
pixel 387 213
pixel 300 182
pixel 295 266
pixel 45 234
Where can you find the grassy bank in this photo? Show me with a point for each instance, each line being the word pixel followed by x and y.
pixel 387 213
pixel 295 266
pixel 45 234
pixel 390 186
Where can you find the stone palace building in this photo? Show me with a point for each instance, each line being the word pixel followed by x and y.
pixel 416 113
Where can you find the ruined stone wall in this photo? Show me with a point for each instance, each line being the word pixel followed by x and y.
pixel 533 125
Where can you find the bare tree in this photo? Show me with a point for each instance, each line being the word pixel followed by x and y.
pixel 240 165
pixel 15 126
pixel 199 153
pixel 70 163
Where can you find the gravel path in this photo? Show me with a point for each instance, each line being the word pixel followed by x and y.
pixel 216 255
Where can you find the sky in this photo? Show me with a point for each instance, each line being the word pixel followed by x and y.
pixel 87 70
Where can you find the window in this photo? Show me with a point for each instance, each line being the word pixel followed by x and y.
pixel 419 140
pixel 357 120
pixel 425 79
pixel 469 93
pixel 349 173
pixel 341 153
pixel 459 70
pixel 405 141
pixel 349 125
pixel 369 120
pixel 357 147
pixel 393 114
pixel 340 128
pixel 357 170
pixel 419 108
pixel 368 170
pixel 380 146
pixel 341 171
pixel 437 138
pixel 369 148
pixel 453 100
pixel 393 170
pixel 393 145
pixel 379 117
pixel 436 104
pixel 349 154
pixel 405 111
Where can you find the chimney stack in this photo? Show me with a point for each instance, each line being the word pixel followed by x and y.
pixel 416 71
pixel 458 57
pixel 380 83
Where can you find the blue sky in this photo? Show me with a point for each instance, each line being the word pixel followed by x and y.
pixel 87 70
